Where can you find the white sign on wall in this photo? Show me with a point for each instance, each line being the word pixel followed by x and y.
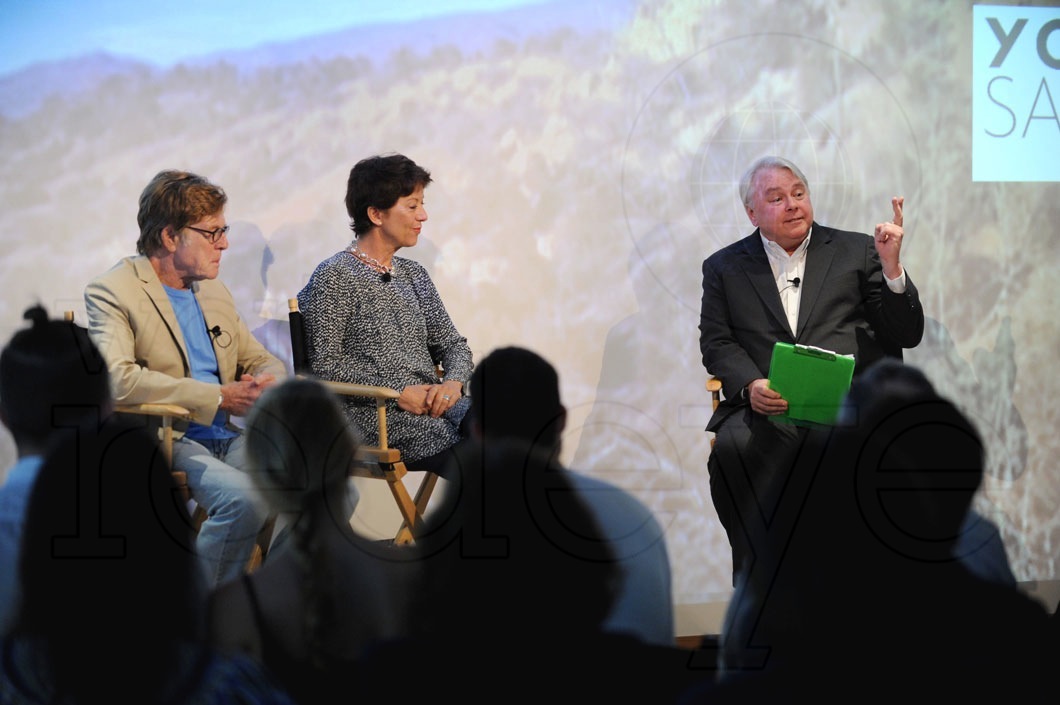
pixel 1015 93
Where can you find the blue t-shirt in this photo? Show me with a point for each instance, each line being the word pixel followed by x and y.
pixel 201 356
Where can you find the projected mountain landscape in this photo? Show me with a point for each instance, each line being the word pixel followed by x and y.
pixel 585 156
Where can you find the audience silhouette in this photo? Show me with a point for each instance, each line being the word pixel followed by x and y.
pixel 515 394
pixel 52 379
pixel 324 595
pixel 514 584
pixel 113 599
pixel 873 576
pixel 979 545
pixel 855 590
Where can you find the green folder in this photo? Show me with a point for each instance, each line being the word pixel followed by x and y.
pixel 813 380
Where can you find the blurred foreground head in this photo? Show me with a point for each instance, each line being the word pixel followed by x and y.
pixel 51 376
pixel 300 447
pixel 515 394
pixel 513 531
pixel 891 484
pixel 108 553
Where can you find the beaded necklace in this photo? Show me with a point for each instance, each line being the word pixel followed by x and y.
pixel 374 264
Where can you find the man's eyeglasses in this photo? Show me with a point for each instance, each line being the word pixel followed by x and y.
pixel 212 235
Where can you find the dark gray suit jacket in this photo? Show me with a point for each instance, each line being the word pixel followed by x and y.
pixel 846 306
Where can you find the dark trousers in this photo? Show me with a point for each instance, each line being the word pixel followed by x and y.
pixel 748 465
pixel 445 464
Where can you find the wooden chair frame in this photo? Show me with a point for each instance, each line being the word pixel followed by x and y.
pixel 714 389
pixel 380 462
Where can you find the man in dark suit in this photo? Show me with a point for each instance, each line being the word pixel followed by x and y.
pixel 794 281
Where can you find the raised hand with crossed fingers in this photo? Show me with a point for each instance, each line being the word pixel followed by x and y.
pixel 888 238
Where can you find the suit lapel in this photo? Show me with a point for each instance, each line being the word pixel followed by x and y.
pixel 760 274
pixel 819 256
pixel 152 287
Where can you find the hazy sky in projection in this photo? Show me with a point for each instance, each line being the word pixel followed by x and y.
pixel 47 30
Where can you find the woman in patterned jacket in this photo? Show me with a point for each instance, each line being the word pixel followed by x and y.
pixel 374 318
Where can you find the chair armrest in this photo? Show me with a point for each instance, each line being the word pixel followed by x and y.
pixel 714 387
pixel 380 394
pixel 350 389
pixel 369 454
pixel 173 410
pixel 166 412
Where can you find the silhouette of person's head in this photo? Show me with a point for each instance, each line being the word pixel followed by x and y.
pixel 108 553
pixel 885 382
pixel 857 571
pixel 300 447
pixel 515 394
pixel 51 375
pixel 917 453
pixel 874 500
pixel 514 541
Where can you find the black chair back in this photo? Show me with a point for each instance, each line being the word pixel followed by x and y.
pixel 298 350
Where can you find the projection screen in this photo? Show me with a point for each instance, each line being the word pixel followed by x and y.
pixel 585 156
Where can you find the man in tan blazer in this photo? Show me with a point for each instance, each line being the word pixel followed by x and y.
pixel 170 333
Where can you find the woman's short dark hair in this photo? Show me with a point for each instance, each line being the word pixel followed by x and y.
pixel 378 182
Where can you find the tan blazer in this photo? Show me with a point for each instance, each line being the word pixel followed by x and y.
pixel 135 328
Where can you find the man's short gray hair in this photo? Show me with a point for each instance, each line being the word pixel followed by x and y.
pixel 767 162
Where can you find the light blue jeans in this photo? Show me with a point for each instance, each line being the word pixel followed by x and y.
pixel 235 510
